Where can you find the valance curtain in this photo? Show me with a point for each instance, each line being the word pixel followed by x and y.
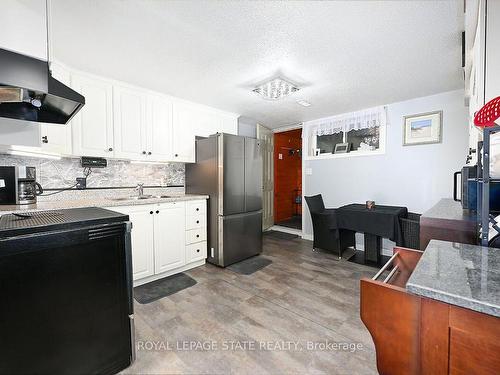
pixel 365 119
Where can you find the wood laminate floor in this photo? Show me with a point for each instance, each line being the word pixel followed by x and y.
pixel 284 319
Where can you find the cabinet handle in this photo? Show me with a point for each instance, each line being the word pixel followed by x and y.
pixel 149 153
pixel 157 211
pixel 197 236
pixel 110 149
pixel 197 222
pixel 197 250
pixel 144 152
pixel 151 212
pixel 197 209
pixel 176 155
pixel 45 139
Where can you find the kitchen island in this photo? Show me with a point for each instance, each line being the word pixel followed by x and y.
pixel 438 312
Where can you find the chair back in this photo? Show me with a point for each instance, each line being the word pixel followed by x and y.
pixel 315 203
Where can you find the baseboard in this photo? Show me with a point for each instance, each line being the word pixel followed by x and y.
pixel 169 273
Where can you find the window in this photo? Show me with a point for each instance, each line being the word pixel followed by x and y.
pixel 370 137
pixel 326 143
pixel 363 130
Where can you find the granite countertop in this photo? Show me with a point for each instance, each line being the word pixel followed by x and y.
pixel 97 201
pixel 459 274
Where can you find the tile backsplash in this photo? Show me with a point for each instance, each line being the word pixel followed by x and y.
pixel 119 173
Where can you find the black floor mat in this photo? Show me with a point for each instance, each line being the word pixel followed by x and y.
pixel 155 290
pixel 250 265
pixel 280 235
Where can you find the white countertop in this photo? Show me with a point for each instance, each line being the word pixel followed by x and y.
pixel 124 200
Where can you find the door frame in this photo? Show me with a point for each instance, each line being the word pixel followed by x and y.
pixel 262 129
pixel 277 227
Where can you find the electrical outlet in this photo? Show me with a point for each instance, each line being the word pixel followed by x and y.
pixel 81 183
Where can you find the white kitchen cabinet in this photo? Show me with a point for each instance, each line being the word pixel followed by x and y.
pixel 170 235
pixel 142 218
pixel 183 137
pixel 23 27
pixel 93 125
pixel 159 128
pixel 129 123
pixel 162 245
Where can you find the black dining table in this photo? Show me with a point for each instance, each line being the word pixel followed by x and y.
pixel 376 223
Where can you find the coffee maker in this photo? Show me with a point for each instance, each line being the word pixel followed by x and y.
pixel 18 185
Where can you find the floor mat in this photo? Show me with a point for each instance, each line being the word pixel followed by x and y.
pixel 280 235
pixel 250 265
pixel 155 290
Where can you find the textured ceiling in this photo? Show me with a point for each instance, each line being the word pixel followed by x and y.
pixel 346 55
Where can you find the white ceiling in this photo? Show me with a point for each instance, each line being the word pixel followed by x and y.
pixel 346 55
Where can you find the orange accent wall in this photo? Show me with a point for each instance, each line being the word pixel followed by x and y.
pixel 287 173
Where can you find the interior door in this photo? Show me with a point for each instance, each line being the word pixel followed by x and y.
pixel 266 139
pixel 170 236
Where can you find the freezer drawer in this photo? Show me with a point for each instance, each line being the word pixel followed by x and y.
pixel 241 237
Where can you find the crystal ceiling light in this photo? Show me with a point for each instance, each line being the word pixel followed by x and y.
pixel 275 89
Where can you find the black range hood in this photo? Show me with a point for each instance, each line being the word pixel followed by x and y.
pixel 29 92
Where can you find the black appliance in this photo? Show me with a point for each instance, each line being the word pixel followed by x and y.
pixel 18 185
pixel 66 287
pixel 29 92
pixel 469 189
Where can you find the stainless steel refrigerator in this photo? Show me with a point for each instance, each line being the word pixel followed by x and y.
pixel 229 169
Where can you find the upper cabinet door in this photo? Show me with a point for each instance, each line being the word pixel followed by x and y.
pixel 159 128
pixel 93 125
pixel 129 123
pixel 183 139
pixel 29 39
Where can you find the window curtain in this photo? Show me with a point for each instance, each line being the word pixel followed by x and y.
pixel 365 119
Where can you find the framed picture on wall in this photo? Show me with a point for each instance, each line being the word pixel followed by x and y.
pixel 423 128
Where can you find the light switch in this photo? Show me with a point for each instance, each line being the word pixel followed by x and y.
pixel 280 156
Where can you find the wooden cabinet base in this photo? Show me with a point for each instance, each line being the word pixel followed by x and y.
pixel 416 335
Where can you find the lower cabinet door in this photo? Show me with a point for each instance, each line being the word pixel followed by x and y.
pixel 142 218
pixel 170 236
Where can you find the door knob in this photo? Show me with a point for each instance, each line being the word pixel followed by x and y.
pixel 110 149
pixel 151 212
pixel 149 153
pixel 45 139
pixel 157 211
pixel 144 152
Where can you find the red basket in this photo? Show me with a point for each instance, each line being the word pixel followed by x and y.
pixel 487 115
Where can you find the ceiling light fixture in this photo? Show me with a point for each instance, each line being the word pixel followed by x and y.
pixel 275 89
pixel 303 103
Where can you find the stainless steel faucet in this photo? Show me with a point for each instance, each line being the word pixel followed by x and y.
pixel 140 189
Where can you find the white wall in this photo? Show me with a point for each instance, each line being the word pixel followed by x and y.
pixel 412 176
